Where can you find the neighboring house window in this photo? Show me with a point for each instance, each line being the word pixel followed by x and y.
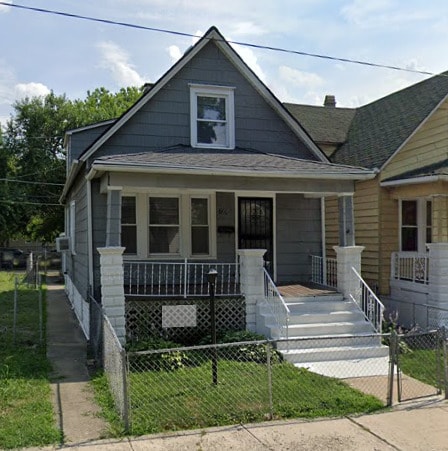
pixel 164 225
pixel 415 224
pixel 129 224
pixel 212 116
pixel 72 226
pixel 200 236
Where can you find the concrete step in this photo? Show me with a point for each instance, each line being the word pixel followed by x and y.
pixel 322 317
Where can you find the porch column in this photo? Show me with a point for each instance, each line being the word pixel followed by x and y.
pixel 112 288
pixel 438 283
pixel 113 219
pixel 252 282
pixel 346 221
pixel 348 257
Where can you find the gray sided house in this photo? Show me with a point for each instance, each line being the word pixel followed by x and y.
pixel 206 170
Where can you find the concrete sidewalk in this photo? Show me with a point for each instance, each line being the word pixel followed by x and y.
pixel 414 426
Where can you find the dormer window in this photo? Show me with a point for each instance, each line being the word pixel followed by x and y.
pixel 212 116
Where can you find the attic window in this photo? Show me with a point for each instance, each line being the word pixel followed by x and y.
pixel 212 116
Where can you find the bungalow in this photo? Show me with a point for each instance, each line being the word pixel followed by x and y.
pixel 207 170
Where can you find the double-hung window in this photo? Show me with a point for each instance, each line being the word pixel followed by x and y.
pixel 129 224
pixel 164 225
pixel 415 224
pixel 212 116
pixel 200 236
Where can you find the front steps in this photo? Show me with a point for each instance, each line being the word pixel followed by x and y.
pixel 328 335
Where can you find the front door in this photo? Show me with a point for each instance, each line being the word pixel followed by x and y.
pixel 255 225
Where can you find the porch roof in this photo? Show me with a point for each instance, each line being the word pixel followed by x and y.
pixel 430 173
pixel 239 161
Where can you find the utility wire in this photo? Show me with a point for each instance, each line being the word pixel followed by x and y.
pixel 13 202
pixel 245 44
pixel 29 182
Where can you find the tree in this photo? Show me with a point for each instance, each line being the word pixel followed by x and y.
pixel 34 156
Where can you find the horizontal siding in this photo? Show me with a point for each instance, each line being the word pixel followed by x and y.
pixel 298 230
pixel 427 146
pixel 165 120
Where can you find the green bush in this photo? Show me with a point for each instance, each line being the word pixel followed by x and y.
pixel 164 361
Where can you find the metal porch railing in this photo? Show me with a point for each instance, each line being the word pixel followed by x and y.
pixel 410 266
pixel 179 279
pixel 277 305
pixel 324 271
pixel 368 302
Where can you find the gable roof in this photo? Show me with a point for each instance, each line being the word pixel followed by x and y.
pixel 380 129
pixel 211 35
pixel 324 124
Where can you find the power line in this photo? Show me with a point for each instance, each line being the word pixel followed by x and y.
pixel 29 182
pixel 13 202
pixel 245 44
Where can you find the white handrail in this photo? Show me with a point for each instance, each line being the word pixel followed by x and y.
pixel 277 304
pixel 369 303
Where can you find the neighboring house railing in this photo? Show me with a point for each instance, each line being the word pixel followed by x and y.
pixel 179 279
pixel 277 305
pixel 324 271
pixel 410 266
pixel 368 302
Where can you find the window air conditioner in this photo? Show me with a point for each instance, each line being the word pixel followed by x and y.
pixel 63 243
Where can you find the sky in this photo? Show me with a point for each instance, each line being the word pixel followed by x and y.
pixel 43 52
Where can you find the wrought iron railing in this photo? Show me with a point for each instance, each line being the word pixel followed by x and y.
pixel 368 302
pixel 179 279
pixel 410 267
pixel 277 305
pixel 324 271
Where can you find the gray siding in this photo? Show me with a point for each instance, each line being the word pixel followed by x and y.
pixel 225 225
pixel 298 223
pixel 165 120
pixel 80 141
pixel 77 264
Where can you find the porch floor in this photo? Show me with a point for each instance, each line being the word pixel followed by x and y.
pixel 295 290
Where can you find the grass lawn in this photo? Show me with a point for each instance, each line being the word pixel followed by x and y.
pixel 26 413
pixel 186 398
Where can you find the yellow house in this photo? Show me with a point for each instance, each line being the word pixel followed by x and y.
pixel 401 216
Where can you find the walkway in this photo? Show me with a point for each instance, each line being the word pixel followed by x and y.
pixel 76 411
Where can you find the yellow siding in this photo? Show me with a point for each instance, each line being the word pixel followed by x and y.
pixel 427 146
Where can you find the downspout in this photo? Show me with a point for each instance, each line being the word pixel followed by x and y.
pixel 89 234
pixel 324 244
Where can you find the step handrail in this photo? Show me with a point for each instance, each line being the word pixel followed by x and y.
pixel 368 302
pixel 276 303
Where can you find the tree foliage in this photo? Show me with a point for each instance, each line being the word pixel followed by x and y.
pixel 32 157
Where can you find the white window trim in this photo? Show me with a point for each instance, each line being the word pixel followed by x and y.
pixel 226 92
pixel 421 223
pixel 142 205
pixel 72 227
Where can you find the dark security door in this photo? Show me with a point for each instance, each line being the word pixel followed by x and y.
pixel 255 225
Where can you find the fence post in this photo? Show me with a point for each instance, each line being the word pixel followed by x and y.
pixel 124 372
pixel 392 356
pixel 41 334
pixel 445 362
pixel 268 361
pixel 14 319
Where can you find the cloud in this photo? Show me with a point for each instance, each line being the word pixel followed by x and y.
pixel 301 78
pixel 116 60
pixel 33 89
pixel 247 29
pixel 176 53
pixel 4 8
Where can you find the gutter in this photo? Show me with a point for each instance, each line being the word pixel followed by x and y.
pixel 415 181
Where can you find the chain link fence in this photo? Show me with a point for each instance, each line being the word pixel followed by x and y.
pixel 179 388
pixel 21 313
pixel 148 318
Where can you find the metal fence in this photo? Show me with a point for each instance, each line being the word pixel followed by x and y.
pixel 202 386
pixel 415 316
pixel 21 313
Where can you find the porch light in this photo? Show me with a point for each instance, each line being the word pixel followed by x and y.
pixel 211 278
